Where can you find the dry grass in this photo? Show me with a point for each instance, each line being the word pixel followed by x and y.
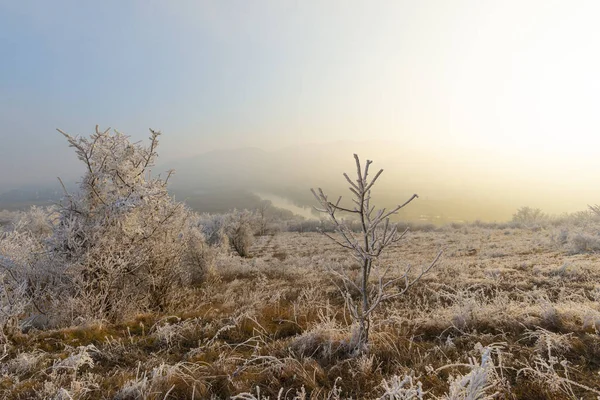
pixel 276 322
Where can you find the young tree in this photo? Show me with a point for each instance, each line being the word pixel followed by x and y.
pixel 376 234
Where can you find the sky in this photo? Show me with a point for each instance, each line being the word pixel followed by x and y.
pixel 498 97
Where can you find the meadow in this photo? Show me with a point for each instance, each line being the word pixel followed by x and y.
pixel 516 307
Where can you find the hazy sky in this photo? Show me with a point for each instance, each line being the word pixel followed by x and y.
pixel 506 91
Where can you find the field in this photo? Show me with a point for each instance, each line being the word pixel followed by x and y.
pixel 516 307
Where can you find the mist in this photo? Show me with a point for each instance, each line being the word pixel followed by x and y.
pixel 478 107
pixel 451 186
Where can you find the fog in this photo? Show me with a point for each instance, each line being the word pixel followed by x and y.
pixel 480 107
pixel 450 186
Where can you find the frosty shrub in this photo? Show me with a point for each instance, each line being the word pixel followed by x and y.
pixel 26 270
pixel 240 227
pixel 198 258
pixel 321 225
pixel 529 216
pixel 550 367
pixel 302 225
pixel 234 229
pixel 583 242
pixel 125 242
pixel 375 235
pixel 213 228
pixel 576 219
pixel 13 302
pixel 39 221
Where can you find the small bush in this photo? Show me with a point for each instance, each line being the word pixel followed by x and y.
pixel 213 228
pixel 119 245
pixel 585 243
pixel 529 216
pixel 240 230
pixel 125 241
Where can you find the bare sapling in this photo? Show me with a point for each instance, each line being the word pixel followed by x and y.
pixel 376 234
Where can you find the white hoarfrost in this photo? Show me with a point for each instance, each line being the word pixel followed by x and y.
pixel 119 245
pixel 126 242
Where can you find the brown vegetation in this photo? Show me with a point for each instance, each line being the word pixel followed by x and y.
pixel 273 322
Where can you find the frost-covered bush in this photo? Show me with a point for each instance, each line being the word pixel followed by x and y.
pixel 26 273
pixel 39 221
pixel 198 258
pixel 23 363
pixel 235 229
pixel 583 242
pixel 575 219
pixel 320 225
pixel 124 242
pixel 13 302
pixel 213 228
pixel 240 227
pixel 529 216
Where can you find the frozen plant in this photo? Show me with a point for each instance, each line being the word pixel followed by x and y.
pixel 77 360
pixel 301 394
pixel 595 209
pixel 25 272
pixel 39 221
pixel 529 217
pixel 7 217
pixel 23 363
pixel 235 228
pixel 239 227
pixel 125 241
pixel 258 396
pixel 481 382
pixel 583 242
pixel 549 367
pixel 159 380
pixel 13 302
pixel 213 228
pixel 137 388
pixel 375 234
pixel 475 385
pixel 405 388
